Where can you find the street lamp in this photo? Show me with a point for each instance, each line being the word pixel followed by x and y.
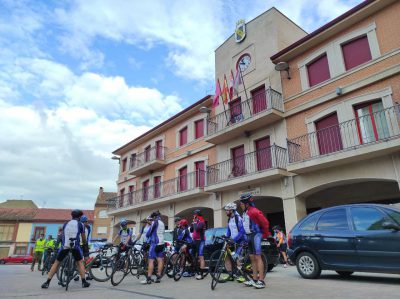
pixel 204 110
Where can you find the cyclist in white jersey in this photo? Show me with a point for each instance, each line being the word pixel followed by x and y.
pixel 73 229
pixel 125 233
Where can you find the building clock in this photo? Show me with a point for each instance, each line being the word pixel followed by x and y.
pixel 244 62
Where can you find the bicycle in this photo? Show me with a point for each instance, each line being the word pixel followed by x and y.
pixel 187 262
pixel 68 269
pixel 100 267
pixel 218 262
pixel 48 262
pixel 122 265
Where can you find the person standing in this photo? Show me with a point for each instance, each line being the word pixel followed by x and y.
pixel 198 229
pixel 281 243
pixel 39 249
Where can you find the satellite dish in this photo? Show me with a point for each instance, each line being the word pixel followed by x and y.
pixel 282 66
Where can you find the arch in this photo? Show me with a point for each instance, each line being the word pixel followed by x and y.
pixel 207 213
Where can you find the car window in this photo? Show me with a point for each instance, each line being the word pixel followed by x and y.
pixel 209 234
pixel 168 236
pixel 366 218
pixel 309 223
pixel 333 220
pixel 394 215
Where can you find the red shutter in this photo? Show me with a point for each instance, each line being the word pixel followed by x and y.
pixel 121 197
pixel 200 174
pixel 199 128
pixel 159 150
pixel 235 108
pixel 263 153
pixel 238 162
pixel 259 100
pixel 328 135
pixel 318 71
pixel 124 165
pixel 183 137
pixel 145 190
pixel 356 52
pixel 131 190
pixel 147 153
pixel 183 179
pixel 133 161
pixel 157 186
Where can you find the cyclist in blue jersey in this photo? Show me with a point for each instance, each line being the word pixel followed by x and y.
pixel 85 247
pixel 143 231
pixel 71 229
pixel 156 237
pixel 125 234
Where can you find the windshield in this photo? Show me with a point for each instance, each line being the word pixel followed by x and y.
pixel 168 236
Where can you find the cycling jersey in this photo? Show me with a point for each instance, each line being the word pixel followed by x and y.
pixel 72 229
pixel 280 237
pixel 124 234
pixel 155 234
pixel 235 228
pixel 184 235
pixel 254 221
pixel 198 229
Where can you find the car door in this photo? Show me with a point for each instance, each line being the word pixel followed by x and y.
pixel 334 239
pixel 377 246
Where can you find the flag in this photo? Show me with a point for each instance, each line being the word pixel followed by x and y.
pixel 237 81
pixel 216 94
pixel 231 80
pixel 225 91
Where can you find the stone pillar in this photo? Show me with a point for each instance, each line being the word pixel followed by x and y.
pixel 217 209
pixel 171 216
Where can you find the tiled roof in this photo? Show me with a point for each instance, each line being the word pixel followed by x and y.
pixel 17 214
pixel 104 196
pixel 59 214
pixel 18 204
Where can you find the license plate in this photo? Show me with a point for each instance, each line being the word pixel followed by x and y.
pixel 265 243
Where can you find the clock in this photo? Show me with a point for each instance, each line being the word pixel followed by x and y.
pixel 244 62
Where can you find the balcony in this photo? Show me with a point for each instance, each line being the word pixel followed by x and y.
pixel 249 115
pixel 364 137
pixel 150 160
pixel 179 188
pixel 262 165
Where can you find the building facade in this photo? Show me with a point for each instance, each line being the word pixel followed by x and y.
pixel 101 220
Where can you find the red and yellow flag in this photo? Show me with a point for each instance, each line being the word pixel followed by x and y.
pixel 225 91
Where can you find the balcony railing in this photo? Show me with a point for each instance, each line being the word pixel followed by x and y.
pixel 175 186
pixel 245 110
pixel 149 155
pixel 376 127
pixel 271 157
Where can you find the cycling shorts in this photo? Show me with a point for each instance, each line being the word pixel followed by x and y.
pixel 254 240
pixel 283 247
pixel 156 251
pixel 199 247
pixel 76 253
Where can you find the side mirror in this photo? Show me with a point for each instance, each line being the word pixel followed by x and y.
pixel 391 225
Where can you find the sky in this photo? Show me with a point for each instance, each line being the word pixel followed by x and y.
pixel 79 79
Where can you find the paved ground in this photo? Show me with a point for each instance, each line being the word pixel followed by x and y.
pixel 16 281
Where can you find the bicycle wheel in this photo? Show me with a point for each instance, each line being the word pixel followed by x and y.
pixel 169 267
pixel 62 272
pixel 219 268
pixel 213 261
pixel 100 268
pixel 247 267
pixel 120 270
pixel 136 261
pixel 70 270
pixel 179 266
pixel 45 266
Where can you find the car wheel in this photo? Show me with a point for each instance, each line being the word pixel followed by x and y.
pixel 2 262
pixel 307 265
pixel 344 273
pixel 24 262
pixel 270 267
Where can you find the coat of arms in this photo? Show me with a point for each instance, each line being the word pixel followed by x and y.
pixel 240 31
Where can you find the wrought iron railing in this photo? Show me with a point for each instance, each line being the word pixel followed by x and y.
pixel 149 155
pixel 361 131
pixel 247 109
pixel 175 186
pixel 264 159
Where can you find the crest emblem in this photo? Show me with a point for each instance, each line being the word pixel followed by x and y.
pixel 240 31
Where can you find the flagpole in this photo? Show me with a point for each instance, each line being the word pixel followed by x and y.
pixel 244 87
pixel 223 103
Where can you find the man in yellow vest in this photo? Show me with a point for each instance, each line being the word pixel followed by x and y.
pixel 49 247
pixel 39 248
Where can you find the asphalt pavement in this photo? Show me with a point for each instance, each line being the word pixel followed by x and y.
pixel 17 281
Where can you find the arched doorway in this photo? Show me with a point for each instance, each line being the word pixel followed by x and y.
pixel 207 213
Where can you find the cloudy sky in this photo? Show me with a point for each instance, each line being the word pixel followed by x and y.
pixel 78 79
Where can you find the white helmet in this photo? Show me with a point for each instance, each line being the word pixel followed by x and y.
pixel 230 206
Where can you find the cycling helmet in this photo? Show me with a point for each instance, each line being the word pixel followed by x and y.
pixel 123 222
pixel 155 214
pixel 246 198
pixel 149 218
pixel 177 219
pixel 230 206
pixel 84 218
pixel 197 212
pixel 183 222
pixel 76 213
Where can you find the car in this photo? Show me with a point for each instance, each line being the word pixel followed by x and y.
pixel 346 239
pixel 268 246
pixel 19 259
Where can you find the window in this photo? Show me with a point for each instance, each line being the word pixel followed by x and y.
pixel 328 134
pixel 200 173
pixel 394 215
pixel 102 230
pixel 38 231
pixel 103 214
pixel 356 52
pixel 199 128
pixel 371 122
pixel 157 186
pixel 20 250
pixel 147 152
pixel 159 150
pixel 6 232
pixel 183 136
pixel 132 161
pixel 238 161
pixel 235 108
pixel 309 224
pixel 333 220
pixel 259 100
pixel 365 218
pixel 318 71
pixel 130 194
pixel 124 164
pixel 263 153
pixel 183 179
pixel 145 190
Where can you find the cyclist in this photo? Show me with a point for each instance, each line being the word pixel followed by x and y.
pixel 125 234
pixel 85 247
pixel 198 229
pixel 49 248
pixel 256 227
pixel 280 239
pixel 39 248
pixel 236 232
pixel 176 233
pixel 184 235
pixel 58 242
pixel 144 230
pixel 71 229
pixel 156 237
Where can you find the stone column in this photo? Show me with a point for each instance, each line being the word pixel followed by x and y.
pixel 217 209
